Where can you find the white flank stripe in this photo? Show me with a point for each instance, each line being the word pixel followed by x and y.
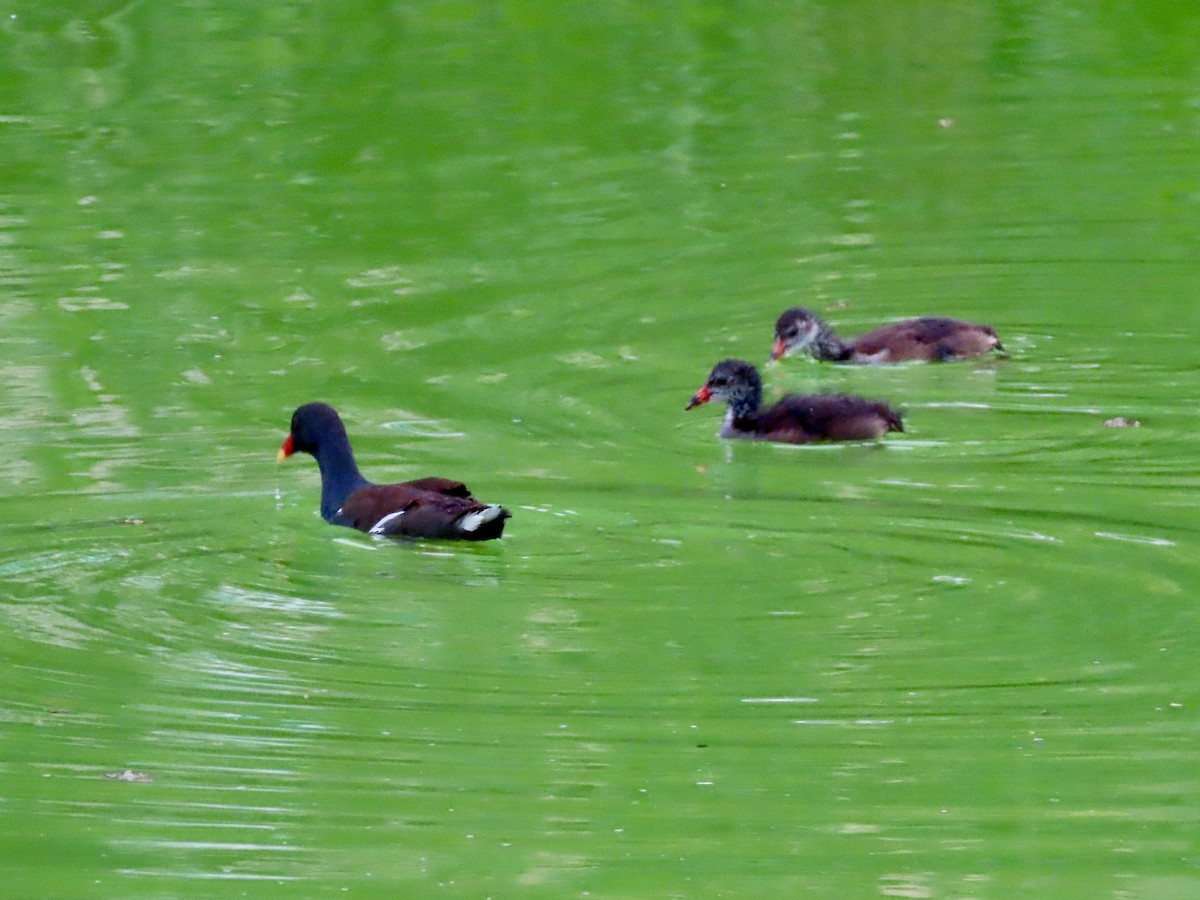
pixel 380 526
pixel 472 521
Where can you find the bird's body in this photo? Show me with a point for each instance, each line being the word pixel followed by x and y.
pixel 930 338
pixel 430 507
pixel 795 419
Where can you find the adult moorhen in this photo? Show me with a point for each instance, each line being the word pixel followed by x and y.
pixel 427 507
pixel 795 419
pixel 930 338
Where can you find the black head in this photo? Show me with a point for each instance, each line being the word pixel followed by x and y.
pixel 311 424
pixel 733 381
pixel 795 329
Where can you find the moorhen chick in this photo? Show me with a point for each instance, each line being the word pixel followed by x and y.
pixel 795 419
pixel 427 507
pixel 930 338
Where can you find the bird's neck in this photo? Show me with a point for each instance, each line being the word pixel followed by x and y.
pixel 828 347
pixel 743 408
pixel 339 474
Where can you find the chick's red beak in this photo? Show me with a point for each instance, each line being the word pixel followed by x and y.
pixel 288 448
pixel 779 351
pixel 702 396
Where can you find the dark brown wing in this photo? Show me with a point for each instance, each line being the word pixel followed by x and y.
pixel 408 509
pixel 827 417
pixel 440 486
pixel 930 338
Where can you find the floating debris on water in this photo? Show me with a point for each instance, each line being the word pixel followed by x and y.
pixel 129 775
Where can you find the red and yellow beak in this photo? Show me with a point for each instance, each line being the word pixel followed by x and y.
pixel 702 396
pixel 779 351
pixel 288 448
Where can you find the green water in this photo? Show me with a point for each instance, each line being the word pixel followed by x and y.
pixel 508 242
